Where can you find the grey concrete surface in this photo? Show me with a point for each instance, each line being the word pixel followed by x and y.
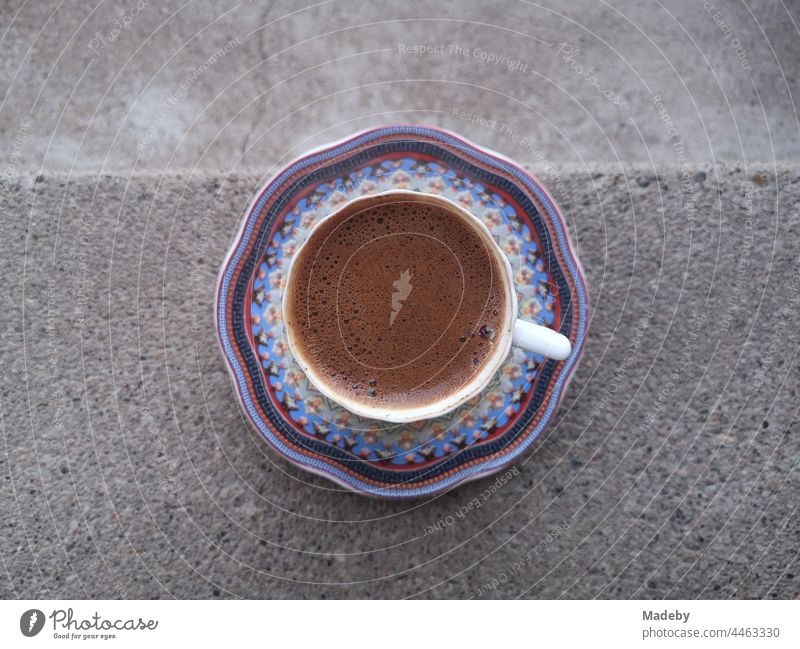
pixel 670 469
pixel 179 85
pixel 132 148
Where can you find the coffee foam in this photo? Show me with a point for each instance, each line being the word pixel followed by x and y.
pixel 396 304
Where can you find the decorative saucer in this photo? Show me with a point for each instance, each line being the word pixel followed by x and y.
pixel 368 456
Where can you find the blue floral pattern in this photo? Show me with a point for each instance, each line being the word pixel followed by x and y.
pixel 418 443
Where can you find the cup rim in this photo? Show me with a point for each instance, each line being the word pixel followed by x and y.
pixel 464 394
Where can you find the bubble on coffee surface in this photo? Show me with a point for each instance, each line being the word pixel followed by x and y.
pixel 386 303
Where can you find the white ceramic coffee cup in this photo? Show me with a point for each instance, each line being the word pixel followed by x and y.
pixel 520 333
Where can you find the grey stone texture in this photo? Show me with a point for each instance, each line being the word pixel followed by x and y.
pixel 669 471
pixel 126 467
pixel 238 85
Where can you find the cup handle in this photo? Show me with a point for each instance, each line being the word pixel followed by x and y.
pixel 540 340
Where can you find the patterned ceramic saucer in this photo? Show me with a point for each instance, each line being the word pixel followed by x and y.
pixel 368 456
